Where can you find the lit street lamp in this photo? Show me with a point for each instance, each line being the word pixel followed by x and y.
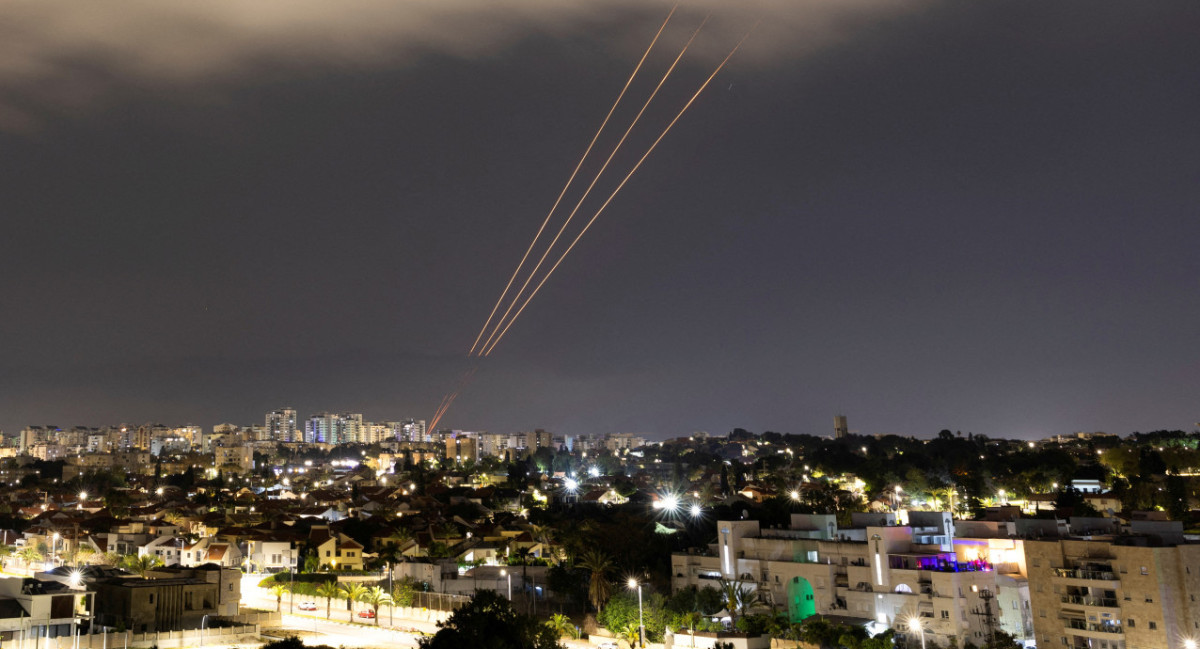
pixel 914 625
pixel 633 583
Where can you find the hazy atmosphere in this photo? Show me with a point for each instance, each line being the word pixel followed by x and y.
pixel 924 215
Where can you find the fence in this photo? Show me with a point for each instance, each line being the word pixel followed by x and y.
pixel 162 639
pixel 439 601
pixel 260 618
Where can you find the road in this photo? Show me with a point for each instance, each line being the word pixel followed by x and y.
pixel 315 631
pixel 341 629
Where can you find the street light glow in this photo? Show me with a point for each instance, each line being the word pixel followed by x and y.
pixel 632 583
pixel 696 511
pixel 570 484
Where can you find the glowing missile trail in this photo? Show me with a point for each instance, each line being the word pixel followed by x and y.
pixel 449 398
pixel 588 191
pixel 571 179
pixel 550 272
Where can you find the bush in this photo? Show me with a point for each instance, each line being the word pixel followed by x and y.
pixel 622 610
pixel 297 579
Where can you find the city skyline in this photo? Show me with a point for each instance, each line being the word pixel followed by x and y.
pixel 930 216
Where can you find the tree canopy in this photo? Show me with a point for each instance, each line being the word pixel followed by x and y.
pixel 488 621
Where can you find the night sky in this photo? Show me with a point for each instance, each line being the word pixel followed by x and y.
pixel 978 216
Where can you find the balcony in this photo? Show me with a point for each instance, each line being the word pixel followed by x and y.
pixel 1081 573
pixel 1085 600
pixel 1082 625
pixel 936 562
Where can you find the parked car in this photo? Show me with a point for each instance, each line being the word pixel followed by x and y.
pixel 307 606
pixel 367 613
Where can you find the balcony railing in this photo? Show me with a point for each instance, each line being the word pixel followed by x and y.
pixel 1092 626
pixel 1083 600
pixel 1077 573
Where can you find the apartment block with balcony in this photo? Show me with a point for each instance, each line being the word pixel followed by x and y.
pixel 876 572
pixel 1133 587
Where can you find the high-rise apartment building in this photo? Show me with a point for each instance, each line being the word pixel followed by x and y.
pixel 462 447
pixel 413 430
pixel 281 425
pixel 353 429
pixel 617 442
pixel 324 428
pixel 189 432
pixel 538 439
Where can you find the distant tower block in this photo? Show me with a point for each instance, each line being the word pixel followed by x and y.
pixel 840 429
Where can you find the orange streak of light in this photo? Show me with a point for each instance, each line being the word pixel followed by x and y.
pixel 704 85
pixel 588 191
pixel 449 398
pixel 571 179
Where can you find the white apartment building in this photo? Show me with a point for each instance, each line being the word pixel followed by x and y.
pixel 281 425
pixel 617 442
pixel 413 430
pixel 885 575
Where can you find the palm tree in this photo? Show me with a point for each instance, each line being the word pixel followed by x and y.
pixel 140 564
pixel 437 550
pixel 376 597
pixel 29 554
pixel 522 555
pixel 390 554
pixel 543 534
pixel 561 625
pixel 630 633
pixel 738 598
pixel 278 591
pixel 354 592
pixel 600 565
pixel 330 591
pixel 691 619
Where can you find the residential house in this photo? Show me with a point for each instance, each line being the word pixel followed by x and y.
pixel 335 549
pixel 33 608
